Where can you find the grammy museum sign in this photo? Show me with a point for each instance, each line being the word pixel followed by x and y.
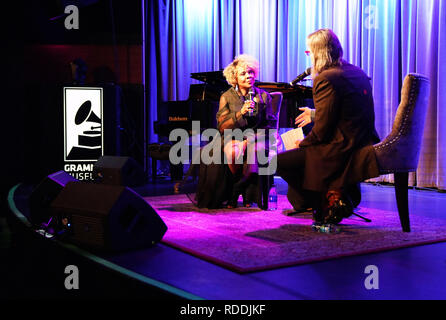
pixel 83 130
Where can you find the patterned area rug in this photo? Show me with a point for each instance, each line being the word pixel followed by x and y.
pixel 247 240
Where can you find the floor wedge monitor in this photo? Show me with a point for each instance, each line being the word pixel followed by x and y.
pixel 106 217
pixel 116 170
pixel 44 193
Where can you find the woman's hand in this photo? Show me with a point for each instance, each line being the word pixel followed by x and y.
pixel 304 118
pixel 247 106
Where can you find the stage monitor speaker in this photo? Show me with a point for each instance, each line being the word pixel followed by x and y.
pixel 106 217
pixel 121 171
pixel 45 192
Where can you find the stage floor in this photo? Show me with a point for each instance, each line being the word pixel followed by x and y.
pixel 409 273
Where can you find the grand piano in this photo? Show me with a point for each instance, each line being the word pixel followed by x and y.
pixel 202 103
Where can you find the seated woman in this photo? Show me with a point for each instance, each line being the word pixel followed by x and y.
pixel 242 107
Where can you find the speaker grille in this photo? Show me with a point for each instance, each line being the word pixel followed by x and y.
pixel 88 230
pixel 113 218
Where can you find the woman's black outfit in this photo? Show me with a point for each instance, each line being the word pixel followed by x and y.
pixel 216 182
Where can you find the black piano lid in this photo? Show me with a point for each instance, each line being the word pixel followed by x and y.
pixel 285 88
pixel 209 76
pixel 216 78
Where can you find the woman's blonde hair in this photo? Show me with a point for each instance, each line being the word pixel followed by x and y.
pixel 326 50
pixel 241 61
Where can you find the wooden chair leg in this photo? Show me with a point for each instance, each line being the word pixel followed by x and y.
pixel 402 200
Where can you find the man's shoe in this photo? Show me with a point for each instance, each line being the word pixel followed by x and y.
pixel 318 216
pixel 337 208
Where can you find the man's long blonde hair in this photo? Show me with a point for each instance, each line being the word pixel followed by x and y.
pixel 326 50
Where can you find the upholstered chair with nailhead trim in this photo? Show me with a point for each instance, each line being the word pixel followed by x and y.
pixel 399 152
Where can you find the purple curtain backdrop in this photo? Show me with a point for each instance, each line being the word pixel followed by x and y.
pixel 388 39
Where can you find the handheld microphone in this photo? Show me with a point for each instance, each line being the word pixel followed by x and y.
pixel 302 76
pixel 251 94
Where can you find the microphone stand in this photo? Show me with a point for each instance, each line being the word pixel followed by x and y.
pixel 364 218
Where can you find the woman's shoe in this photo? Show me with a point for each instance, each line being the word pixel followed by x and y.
pixel 250 193
pixel 232 204
pixel 247 204
pixel 238 189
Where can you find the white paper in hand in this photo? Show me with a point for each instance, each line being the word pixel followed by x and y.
pixel 290 137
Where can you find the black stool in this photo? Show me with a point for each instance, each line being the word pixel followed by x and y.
pixel 159 151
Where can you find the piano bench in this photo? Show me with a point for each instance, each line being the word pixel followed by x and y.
pixel 159 151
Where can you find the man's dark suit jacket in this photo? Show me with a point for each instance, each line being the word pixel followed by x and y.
pixel 338 150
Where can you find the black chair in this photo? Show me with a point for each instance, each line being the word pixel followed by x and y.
pixel 399 152
pixel 159 151
pixel 260 189
pixel 276 104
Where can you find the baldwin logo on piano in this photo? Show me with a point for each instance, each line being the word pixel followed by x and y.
pixel 178 118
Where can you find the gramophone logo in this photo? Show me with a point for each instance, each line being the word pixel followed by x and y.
pixel 83 124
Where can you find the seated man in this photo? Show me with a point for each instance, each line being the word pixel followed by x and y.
pixel 296 197
pixel 338 153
